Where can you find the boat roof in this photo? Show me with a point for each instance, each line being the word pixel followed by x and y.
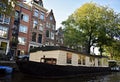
pixel 51 48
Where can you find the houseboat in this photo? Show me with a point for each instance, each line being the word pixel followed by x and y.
pixel 58 61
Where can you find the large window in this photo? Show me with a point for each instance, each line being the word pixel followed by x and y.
pixel 42 15
pixel 22 40
pixel 69 58
pixel 4 19
pixel 34 37
pixel 3 32
pixel 35 23
pixel 23 29
pixel 36 12
pixel 24 17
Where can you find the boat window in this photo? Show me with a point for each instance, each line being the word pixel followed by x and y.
pixel 79 59
pixel 48 60
pixel 69 58
pixel 83 59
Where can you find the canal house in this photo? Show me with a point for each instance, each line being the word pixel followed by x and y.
pixel 59 55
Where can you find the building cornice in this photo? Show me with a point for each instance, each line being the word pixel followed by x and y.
pixel 39 7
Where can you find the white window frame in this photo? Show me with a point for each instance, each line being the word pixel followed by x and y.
pixel 52 35
pixel 3 30
pixel 36 12
pixel 25 17
pixel 23 29
pixel 22 42
pixel 8 20
pixel 35 24
pixel 42 16
pixel 41 27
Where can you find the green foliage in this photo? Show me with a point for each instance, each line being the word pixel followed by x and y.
pixel 7 7
pixel 114 50
pixel 92 25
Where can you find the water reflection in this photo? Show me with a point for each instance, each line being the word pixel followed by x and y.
pixel 18 77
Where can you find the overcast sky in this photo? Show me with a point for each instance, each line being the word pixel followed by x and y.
pixel 63 8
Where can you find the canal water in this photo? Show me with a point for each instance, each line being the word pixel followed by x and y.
pixel 18 77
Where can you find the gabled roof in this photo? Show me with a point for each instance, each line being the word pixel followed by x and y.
pixel 51 14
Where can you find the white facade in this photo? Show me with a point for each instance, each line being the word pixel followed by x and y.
pixel 74 60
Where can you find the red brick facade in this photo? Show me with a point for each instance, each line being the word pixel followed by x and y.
pixel 31 26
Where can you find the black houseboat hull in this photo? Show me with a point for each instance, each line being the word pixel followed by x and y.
pixel 44 70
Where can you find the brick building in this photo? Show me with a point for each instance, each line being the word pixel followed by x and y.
pixel 31 26
pixel 43 25
pixel 20 29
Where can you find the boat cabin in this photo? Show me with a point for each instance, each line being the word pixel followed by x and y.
pixel 58 55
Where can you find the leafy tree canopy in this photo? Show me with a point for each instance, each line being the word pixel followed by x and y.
pixel 7 6
pixel 93 25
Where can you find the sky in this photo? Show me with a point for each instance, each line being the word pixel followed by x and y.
pixel 63 8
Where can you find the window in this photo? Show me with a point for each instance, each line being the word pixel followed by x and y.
pixel 99 63
pixel 40 38
pixel 42 16
pixel 16 15
pixel 52 35
pixel 3 32
pixel 79 59
pixel 47 24
pixel 35 23
pixel 23 29
pixel 69 58
pixel 36 12
pixel 1 18
pixel 51 18
pixel 53 26
pixel 47 34
pixel 22 40
pixel 7 20
pixel 83 59
pixel 24 17
pixel 92 61
pixel 4 19
pixel 41 27
pixel 34 37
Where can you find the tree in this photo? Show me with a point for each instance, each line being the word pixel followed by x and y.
pixel 7 6
pixel 95 25
pixel 113 51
